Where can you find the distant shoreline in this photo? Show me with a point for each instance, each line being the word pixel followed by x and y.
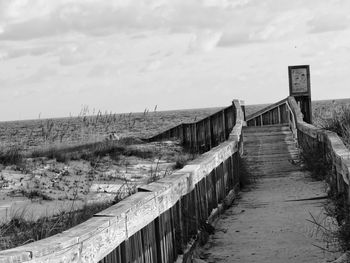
pixel 176 110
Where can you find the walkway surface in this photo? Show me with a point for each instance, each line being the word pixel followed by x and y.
pixel 270 222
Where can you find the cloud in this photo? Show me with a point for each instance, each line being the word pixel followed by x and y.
pixel 73 54
pixel 205 40
pixel 152 66
pixel 41 74
pixel 30 19
pixel 227 3
pixel 328 22
pixel 34 19
pixel 234 38
pixel 15 52
pixel 104 70
pixel 22 20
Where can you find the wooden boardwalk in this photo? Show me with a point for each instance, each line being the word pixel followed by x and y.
pixel 270 222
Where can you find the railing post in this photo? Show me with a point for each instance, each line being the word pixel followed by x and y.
pixel 210 133
pixel 214 129
pixel 195 132
pixel 243 109
pixel 224 124
pixel 279 114
pixel 180 228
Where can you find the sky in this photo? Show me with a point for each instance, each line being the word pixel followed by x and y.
pixel 128 55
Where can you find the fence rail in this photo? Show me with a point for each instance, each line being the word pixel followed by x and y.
pixel 328 144
pixel 156 223
pixel 274 114
pixel 206 133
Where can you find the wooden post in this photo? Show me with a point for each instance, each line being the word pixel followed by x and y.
pixel 213 129
pixel 224 124
pixel 210 131
pixel 179 237
pixel 213 185
pixel 205 196
pixel 195 132
pixel 243 109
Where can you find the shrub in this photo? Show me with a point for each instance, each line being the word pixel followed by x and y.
pixel 338 208
pixel 12 155
pixel 31 194
pixel 113 149
pixel 61 155
pixel 181 161
pixel 339 123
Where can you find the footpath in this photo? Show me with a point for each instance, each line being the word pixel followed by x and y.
pixel 273 221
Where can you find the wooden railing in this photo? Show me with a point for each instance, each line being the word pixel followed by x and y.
pixel 204 134
pixel 271 115
pixel 328 144
pixel 156 223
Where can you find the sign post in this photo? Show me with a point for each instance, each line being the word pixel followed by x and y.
pixel 299 87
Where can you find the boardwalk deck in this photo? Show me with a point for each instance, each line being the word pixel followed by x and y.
pixel 270 223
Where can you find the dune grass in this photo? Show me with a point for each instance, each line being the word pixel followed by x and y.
pixel 337 205
pixel 339 122
pixel 11 155
pixel 19 231
pixel 90 151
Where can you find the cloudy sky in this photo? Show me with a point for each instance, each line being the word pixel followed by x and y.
pixel 128 55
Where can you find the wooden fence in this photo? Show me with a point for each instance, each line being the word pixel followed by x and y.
pixel 328 145
pixel 206 133
pixel 271 115
pixel 156 223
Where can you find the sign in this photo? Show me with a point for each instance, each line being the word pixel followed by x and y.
pixel 299 88
pixel 299 80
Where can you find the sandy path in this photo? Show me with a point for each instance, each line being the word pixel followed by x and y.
pixel 266 226
pixel 270 222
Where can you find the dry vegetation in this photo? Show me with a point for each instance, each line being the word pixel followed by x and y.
pixel 41 196
pixel 90 127
pixel 56 173
pixel 334 116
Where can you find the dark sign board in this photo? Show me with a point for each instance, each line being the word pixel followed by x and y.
pixel 299 80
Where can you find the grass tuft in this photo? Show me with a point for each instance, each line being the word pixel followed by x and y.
pixel 182 159
pixel 11 156
pixel 35 193
pixel 336 234
pixel 338 208
pixel 339 123
pixel 19 231
pixel 113 149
